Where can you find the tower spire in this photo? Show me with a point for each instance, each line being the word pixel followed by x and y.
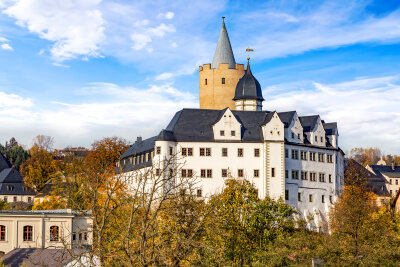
pixel 223 52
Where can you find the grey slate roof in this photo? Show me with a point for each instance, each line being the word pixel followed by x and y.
pixel 286 117
pixel 41 257
pixel 248 87
pixel 223 52
pixel 4 163
pixel 140 147
pixel 11 179
pixel 330 127
pixel 386 170
pixel 308 122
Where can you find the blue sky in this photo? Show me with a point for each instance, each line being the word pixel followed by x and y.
pixel 81 70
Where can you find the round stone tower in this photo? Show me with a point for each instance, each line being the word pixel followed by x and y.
pixel 217 81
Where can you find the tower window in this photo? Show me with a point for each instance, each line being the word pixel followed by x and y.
pixel 223 80
pixel 205 81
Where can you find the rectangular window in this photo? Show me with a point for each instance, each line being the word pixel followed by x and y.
pixel 295 174
pixel 74 236
pixel 223 80
pixel 286 194
pixel 222 133
pixel 142 159
pixel 208 152
pixel 330 178
pixel 322 139
pixel 272 172
pixel 28 232
pixel 29 199
pixel 312 156
pixel 397 182
pixel 310 198
pixel 158 150
pixel 304 175
pixel 321 157
pixel 203 173
pixel 199 193
pixel 313 177
pixel 184 151
pixel 224 152
pixel 170 151
pixel 183 173
pixel 205 151
pixel 209 173
pixel 329 158
pixel 224 173
pixel 286 174
pixel 322 177
pixel 256 152
pixel 189 173
pixel 323 199
pixel 240 152
pixel 298 136
pixel 2 233
pixel 190 151
pixel 158 172
pixel 295 154
pixel 233 133
pixel 390 181
pixel 15 199
pixel 316 139
pixel 303 155
pixel 147 157
pixel 205 81
pixel 286 153
pixel 256 173
pixel 299 196
pixel 240 172
pixel 331 199
pixel 292 135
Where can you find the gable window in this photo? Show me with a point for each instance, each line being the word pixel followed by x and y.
pixel 224 152
pixel 158 150
pixel 292 135
pixel 2 233
pixel 303 155
pixel 54 230
pixel 310 198
pixel 224 173
pixel 240 152
pixel 256 152
pixel 303 175
pixel 240 172
pixel 205 81
pixel 222 133
pixel 257 173
pixel 295 154
pixel 286 194
pixel 316 139
pixel 28 232
pixel 233 133
pixel 298 136
pixel 299 197
pixel 322 139
pixel 223 80
pixel 272 172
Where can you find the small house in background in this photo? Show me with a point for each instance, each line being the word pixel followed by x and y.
pixel 12 186
pixel 59 154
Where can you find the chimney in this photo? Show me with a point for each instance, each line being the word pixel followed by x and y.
pixel 138 140
pixel 393 167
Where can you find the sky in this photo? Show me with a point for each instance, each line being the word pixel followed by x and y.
pixel 82 70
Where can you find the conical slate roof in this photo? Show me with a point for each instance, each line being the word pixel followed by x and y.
pixel 223 52
pixel 248 87
pixel 4 163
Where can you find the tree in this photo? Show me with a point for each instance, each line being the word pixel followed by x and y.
pixel 44 142
pixel 366 156
pixel 39 169
pixel 15 153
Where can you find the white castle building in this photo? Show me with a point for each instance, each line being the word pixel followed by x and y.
pixel 287 156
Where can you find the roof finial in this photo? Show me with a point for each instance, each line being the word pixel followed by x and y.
pixel 223 19
pixel 248 50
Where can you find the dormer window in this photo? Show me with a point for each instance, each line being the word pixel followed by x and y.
pixel 298 136
pixel 222 133
pixel 322 139
pixel 292 135
pixel 223 80
pixel 233 133
pixel 316 139
pixel 10 187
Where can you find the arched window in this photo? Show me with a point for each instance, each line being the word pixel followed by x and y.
pixel 28 232
pixel 2 233
pixel 54 233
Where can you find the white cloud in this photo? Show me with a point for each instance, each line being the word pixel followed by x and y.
pixel 166 15
pixel 6 47
pixel 366 109
pixel 75 27
pixel 140 40
pixel 14 101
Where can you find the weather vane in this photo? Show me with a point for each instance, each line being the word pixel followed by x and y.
pixel 248 50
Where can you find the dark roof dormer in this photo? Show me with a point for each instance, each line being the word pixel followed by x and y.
pixel 248 87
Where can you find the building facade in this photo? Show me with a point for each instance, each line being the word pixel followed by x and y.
pixel 286 156
pixel 44 229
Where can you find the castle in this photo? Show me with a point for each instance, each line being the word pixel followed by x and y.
pixel 285 155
